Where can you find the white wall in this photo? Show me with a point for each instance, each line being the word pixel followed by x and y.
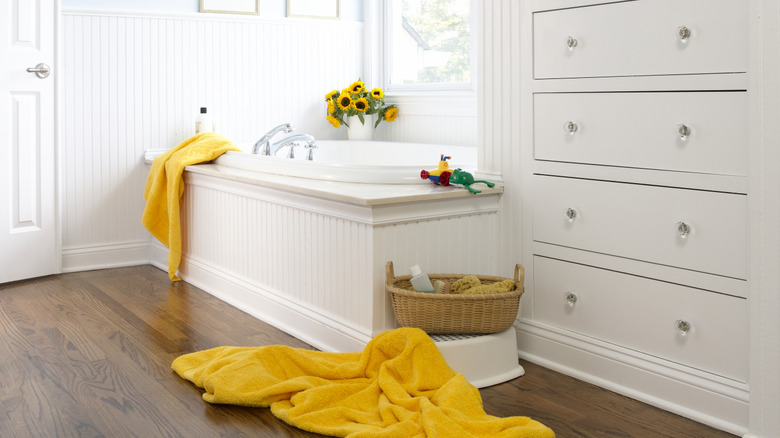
pixel 135 82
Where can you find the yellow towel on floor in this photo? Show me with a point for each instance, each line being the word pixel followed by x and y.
pixel 164 188
pixel 399 386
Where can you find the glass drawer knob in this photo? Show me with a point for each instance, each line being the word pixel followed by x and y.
pixel 683 229
pixel 683 33
pixel 684 131
pixel 683 326
pixel 571 213
pixel 571 42
pixel 571 299
pixel 570 127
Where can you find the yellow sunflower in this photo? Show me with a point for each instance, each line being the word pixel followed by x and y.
pixel 377 93
pixel 332 94
pixel 331 107
pixel 391 114
pixel 334 121
pixel 361 104
pixel 344 101
pixel 356 87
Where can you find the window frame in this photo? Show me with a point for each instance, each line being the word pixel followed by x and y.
pixel 378 59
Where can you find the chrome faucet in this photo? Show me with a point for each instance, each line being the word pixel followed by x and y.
pixel 263 145
pixel 310 147
pixel 291 141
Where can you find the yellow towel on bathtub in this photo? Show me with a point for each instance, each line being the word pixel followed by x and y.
pixel 164 188
pixel 399 386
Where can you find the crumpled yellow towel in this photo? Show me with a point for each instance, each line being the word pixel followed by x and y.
pixel 164 188
pixel 399 386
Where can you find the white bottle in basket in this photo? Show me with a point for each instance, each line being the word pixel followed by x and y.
pixel 420 281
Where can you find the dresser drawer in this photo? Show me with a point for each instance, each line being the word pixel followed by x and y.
pixel 645 223
pixel 701 132
pixel 641 38
pixel 643 314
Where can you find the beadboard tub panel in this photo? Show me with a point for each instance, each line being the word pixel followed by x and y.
pixel 310 259
pixel 308 267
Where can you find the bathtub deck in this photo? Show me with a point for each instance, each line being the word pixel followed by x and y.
pixel 370 195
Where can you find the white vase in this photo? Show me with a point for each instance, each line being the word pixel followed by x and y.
pixel 360 131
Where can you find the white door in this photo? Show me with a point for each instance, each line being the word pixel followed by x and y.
pixel 28 224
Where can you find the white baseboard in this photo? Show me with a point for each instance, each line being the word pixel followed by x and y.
pixel 316 329
pixel 158 255
pixel 114 255
pixel 711 400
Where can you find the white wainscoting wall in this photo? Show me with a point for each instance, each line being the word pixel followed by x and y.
pixel 133 81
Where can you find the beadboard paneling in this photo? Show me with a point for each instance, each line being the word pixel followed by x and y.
pixel 443 129
pixel 321 270
pixel 136 82
pixel 312 260
pixel 499 114
pixel 447 120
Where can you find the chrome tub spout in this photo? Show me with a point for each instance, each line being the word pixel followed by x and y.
pixel 262 146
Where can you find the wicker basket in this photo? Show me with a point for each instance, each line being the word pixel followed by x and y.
pixel 454 313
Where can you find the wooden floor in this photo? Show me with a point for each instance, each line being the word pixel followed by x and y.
pixel 88 355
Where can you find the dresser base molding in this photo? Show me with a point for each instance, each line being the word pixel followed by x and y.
pixel 703 397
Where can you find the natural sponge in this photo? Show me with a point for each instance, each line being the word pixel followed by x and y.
pixel 463 284
pixel 495 288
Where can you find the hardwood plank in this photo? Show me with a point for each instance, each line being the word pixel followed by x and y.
pixel 89 353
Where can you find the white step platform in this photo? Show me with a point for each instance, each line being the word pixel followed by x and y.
pixel 484 360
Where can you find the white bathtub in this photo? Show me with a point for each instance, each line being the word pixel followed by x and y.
pixel 377 162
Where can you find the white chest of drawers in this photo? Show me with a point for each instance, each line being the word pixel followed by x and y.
pixel 637 221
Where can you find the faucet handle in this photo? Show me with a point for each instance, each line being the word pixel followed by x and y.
pixel 293 145
pixel 310 146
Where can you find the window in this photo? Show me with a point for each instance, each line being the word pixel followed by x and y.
pixel 429 45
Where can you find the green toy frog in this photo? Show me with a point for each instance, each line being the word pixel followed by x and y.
pixel 461 178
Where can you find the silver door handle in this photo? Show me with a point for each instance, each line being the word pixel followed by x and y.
pixel 41 70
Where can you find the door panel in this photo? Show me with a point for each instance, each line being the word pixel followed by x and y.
pixel 25 159
pixel 28 224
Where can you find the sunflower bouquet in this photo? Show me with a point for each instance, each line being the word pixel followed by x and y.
pixel 357 100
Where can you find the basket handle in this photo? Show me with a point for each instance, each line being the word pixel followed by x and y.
pixel 389 273
pixel 519 274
